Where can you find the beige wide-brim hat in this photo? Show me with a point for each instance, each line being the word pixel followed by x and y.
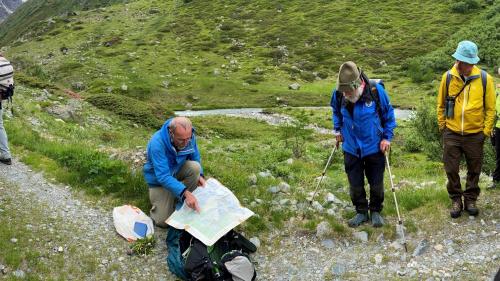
pixel 349 77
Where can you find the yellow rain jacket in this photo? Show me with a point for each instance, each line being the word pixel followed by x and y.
pixel 470 114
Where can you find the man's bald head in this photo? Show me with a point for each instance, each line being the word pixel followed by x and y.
pixel 181 131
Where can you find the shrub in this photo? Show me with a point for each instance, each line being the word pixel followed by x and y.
pixel 254 79
pixel 131 109
pixel 464 6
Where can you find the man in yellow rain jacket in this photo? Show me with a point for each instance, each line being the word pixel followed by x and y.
pixel 466 111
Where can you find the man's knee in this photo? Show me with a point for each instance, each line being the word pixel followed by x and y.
pixel 193 168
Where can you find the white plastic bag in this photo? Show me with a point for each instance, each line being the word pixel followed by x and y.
pixel 131 223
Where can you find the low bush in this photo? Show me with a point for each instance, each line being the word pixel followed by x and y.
pixel 131 109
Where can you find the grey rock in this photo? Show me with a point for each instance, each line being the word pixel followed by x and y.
pixel 19 274
pixel 317 206
pixel 294 86
pixel 252 179
pixel 338 269
pixel 323 230
pixel 273 189
pixel 78 86
pixel 284 187
pixel 330 198
pixel 361 236
pixel 265 174
pixel 328 243
pixel 421 248
pixel 255 241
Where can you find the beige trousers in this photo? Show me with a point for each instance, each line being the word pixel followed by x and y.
pixel 163 201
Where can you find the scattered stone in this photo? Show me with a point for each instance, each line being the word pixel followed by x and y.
pixel 265 174
pixel 273 189
pixel 328 243
pixel 316 205
pixel 216 71
pixel 338 269
pixel 289 161
pixel 13 240
pixel 255 241
pixel 294 86
pixel 104 262
pixel 323 230
pixel 252 179
pixel 361 236
pixel 165 84
pixel 382 63
pixel 421 248
pixel 378 258
pixel 60 249
pixel 120 259
pixel 438 247
pixel 78 86
pixel 124 87
pixel 330 198
pixel 284 187
pixel 19 274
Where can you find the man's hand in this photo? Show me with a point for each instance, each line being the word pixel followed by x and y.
pixel 191 201
pixel 339 139
pixel 201 181
pixel 385 145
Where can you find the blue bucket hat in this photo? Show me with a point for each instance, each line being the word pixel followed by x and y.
pixel 466 52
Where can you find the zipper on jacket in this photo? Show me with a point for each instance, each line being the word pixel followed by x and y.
pixel 466 99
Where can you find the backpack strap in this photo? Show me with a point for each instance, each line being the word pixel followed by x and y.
pixel 372 90
pixel 448 80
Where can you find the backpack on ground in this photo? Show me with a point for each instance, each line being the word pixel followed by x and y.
pixel 228 259
pixel 6 80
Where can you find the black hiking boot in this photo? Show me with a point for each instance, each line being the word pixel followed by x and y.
pixel 358 219
pixel 377 220
pixel 471 208
pixel 6 161
pixel 456 208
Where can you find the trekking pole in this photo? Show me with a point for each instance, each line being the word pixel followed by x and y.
pixel 324 172
pixel 400 221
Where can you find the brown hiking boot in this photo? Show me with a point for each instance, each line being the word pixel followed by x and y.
pixel 456 208
pixel 471 208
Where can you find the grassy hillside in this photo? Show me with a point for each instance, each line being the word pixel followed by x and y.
pixel 30 14
pixel 212 54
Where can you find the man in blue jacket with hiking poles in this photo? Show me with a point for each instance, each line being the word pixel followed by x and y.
pixel 364 122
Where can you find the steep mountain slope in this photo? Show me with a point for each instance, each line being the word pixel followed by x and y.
pixel 34 11
pixel 7 7
pixel 206 54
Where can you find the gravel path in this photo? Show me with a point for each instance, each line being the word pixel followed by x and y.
pixel 468 249
pixel 76 222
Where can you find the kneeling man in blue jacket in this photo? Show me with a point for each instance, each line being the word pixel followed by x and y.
pixel 363 121
pixel 173 169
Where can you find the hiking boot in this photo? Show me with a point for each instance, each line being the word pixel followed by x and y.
pixel 358 219
pixel 6 161
pixel 471 208
pixel 377 220
pixel 456 208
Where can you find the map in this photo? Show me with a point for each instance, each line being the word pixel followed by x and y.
pixel 220 211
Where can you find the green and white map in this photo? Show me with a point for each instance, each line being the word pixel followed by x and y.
pixel 220 211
